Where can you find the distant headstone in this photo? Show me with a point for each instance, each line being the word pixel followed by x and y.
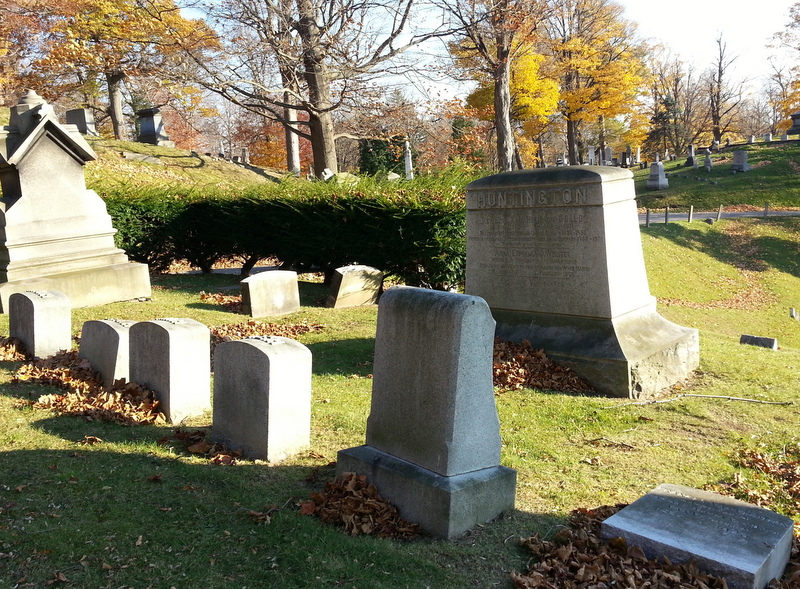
pixel 173 358
pixel 104 343
pixel 638 155
pixel 793 314
pixel 795 128
pixel 746 545
pixel 715 146
pixel 768 137
pixel 83 119
pixel 591 156
pixel 245 156
pixel 751 139
pixel 690 159
pixel 740 161
pixel 757 340
pixel 41 321
pixel 262 397
pixel 785 137
pixel 353 286
pixel 151 128
pixel 708 163
pixel 270 293
pixel 57 235
pixel 557 255
pixel 609 156
pixel 433 435
pixel 657 180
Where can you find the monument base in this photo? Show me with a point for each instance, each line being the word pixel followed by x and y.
pixel 445 507
pixel 634 355
pixel 86 288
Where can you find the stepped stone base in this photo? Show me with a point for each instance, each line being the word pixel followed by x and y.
pixel 86 288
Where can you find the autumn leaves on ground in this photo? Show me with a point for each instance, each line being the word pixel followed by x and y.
pixel 96 491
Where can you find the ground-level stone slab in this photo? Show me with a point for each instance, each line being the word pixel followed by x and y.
pixel 445 507
pixel 745 544
pixel 86 288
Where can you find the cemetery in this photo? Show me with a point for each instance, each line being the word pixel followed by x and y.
pixel 190 439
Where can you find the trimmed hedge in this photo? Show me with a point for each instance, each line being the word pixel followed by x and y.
pixel 415 232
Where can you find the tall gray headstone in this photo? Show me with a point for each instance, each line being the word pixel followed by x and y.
pixel 433 435
pixel 690 159
pixel 353 286
pixel 262 397
pixel 608 156
pixel 104 343
pixel 57 235
pixel 173 358
pixel 657 180
pixel 41 321
pixel 271 293
pixel 151 128
pixel 745 544
pixel 83 119
pixel 558 257
pixel 591 153
pixel 740 161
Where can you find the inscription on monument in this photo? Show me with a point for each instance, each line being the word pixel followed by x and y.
pixel 556 196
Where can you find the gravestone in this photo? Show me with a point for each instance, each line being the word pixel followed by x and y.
pixel 715 146
pixel 54 233
pixel 690 159
pixel 746 544
pixel 751 139
pixel 708 163
pixel 151 128
pixel 591 156
pixel 353 286
pixel 173 358
pixel 657 180
pixel 785 137
pixel 433 435
pixel 262 397
pixel 558 257
pixel 83 119
pixel 760 341
pixel 638 155
pixel 270 294
pixel 795 128
pixel 105 344
pixel 740 161
pixel 41 321
pixel 609 156
pixel 768 137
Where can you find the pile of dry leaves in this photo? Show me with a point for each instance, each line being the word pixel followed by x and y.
pixel 354 505
pixel 518 366
pixel 83 393
pixel 11 350
pixel 196 442
pixel 234 331
pixel 232 303
pixel 577 558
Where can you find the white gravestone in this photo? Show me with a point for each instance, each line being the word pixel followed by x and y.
pixel 740 161
pixel 557 254
pixel 56 235
pixel 353 286
pixel 657 180
pixel 745 544
pixel 271 293
pixel 41 321
pixel 433 435
pixel 104 343
pixel 591 154
pixel 262 397
pixel 173 358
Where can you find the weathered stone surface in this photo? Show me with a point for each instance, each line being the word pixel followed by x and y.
pixel 657 180
pixel 262 397
pixel 271 293
pixel 353 286
pixel 433 436
pixel 42 321
pixel 557 255
pixel 740 161
pixel 104 343
pixel 745 544
pixel 52 229
pixel 173 358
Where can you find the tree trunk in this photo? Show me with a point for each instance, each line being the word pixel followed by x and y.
pixel 292 142
pixel 114 81
pixel 506 144
pixel 572 129
pixel 317 77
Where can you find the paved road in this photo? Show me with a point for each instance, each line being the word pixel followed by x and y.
pixel 658 216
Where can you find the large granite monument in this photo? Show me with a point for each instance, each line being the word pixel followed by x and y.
pixel 54 233
pixel 557 255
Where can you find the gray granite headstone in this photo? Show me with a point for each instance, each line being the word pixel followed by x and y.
pixel 271 293
pixel 746 544
pixel 760 341
pixel 740 161
pixel 657 180
pixel 353 286
pixel 41 321
pixel 262 397
pixel 104 343
pixel 433 435
pixel 83 119
pixel 173 358
pixel 557 255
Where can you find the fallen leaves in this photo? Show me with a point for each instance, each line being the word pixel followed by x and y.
pixel 195 442
pixel 353 504
pixel 577 558
pixel 518 366
pixel 11 350
pixel 84 395
pixel 234 331
pixel 232 303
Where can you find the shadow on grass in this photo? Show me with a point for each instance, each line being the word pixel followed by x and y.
pixel 343 357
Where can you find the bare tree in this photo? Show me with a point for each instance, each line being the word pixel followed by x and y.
pixel 724 96
pixel 298 61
